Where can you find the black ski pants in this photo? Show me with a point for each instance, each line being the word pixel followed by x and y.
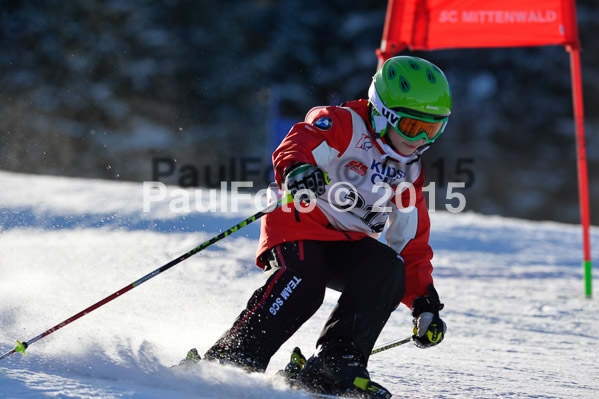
pixel 369 274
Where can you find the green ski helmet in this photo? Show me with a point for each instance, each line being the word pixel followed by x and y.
pixel 413 96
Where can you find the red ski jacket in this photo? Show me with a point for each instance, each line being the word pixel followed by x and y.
pixel 371 187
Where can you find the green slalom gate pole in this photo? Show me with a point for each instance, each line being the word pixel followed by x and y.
pixel 21 346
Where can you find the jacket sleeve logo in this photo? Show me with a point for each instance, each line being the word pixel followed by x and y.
pixel 323 123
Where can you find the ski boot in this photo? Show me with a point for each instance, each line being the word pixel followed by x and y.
pixel 192 359
pixel 339 368
pixel 238 359
pixel 294 367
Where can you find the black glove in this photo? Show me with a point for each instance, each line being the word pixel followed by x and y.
pixel 429 329
pixel 304 176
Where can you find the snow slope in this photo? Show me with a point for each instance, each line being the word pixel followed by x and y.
pixel 518 323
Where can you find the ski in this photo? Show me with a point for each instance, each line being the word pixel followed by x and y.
pixel 364 389
pixel 367 389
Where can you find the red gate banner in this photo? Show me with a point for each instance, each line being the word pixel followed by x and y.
pixel 439 24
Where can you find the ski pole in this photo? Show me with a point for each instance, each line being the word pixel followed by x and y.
pixel 391 344
pixel 21 346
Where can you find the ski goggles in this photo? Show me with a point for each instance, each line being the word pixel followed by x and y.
pixel 414 129
pixel 410 126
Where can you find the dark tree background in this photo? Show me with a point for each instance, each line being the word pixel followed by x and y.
pixel 102 88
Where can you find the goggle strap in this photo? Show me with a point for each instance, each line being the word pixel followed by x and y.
pixel 376 101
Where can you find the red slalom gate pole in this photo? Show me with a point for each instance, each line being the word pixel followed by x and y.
pixel 581 158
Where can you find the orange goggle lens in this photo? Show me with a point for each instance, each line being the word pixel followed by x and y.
pixel 410 128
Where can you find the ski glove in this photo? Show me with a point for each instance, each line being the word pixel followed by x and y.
pixel 301 178
pixel 429 329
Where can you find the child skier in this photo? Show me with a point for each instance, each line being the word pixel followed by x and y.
pixel 352 169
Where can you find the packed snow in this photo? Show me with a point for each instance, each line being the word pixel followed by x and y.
pixel 518 323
